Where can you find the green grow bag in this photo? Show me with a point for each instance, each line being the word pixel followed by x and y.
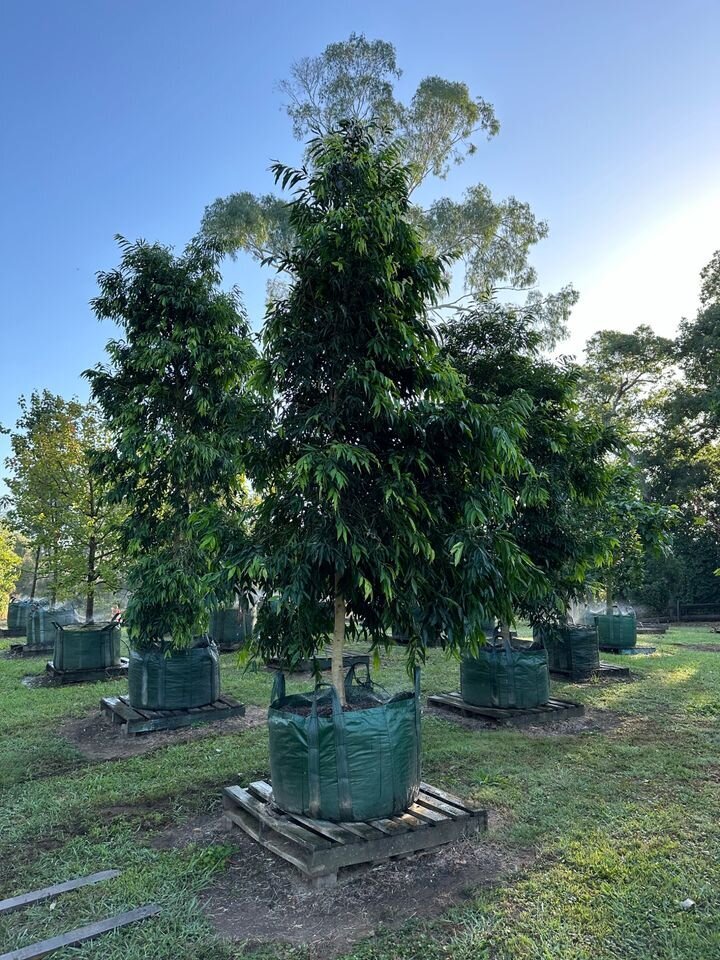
pixel 174 680
pixel 617 631
pixel 90 646
pixel 506 674
pixel 231 627
pixel 18 612
pixel 570 650
pixel 345 765
pixel 41 625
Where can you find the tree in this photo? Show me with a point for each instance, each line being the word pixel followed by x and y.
pixel 382 488
pixel 174 398
pixel 438 128
pixel 10 563
pixel 498 350
pixel 626 376
pixel 55 501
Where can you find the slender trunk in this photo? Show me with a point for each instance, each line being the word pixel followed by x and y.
pixel 35 573
pixel 505 631
pixel 608 598
pixel 90 595
pixel 338 644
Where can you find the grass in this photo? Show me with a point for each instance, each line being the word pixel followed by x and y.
pixel 618 824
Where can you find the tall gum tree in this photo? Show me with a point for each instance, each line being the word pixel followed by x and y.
pixel 383 493
pixel 491 240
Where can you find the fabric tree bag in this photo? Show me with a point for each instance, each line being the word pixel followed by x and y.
pixel 571 649
pixel 506 674
pixel 90 646
pixel 356 764
pixel 174 680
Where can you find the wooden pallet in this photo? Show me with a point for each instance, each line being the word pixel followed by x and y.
pixel 133 720
pixel 25 650
pixel 88 676
pixel 323 663
pixel 15 632
pixel 546 713
pixel 607 670
pixel 630 651
pixel 326 852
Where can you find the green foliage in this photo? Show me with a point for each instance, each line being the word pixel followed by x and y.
pixel 380 483
pixel 57 502
pixel 498 352
pixel 10 564
pixel 178 413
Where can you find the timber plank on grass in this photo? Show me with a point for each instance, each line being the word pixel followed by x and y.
pixel 114 672
pixel 133 721
pixel 14 632
pixel 630 651
pixel 82 934
pixel 35 896
pixel 322 850
pixel 545 713
pixel 26 650
pixel 607 670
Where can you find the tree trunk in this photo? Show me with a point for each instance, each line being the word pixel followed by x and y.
pixel 608 598
pixel 505 631
pixel 35 573
pixel 338 644
pixel 90 595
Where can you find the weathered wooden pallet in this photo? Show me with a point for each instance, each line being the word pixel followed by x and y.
pixel 630 651
pixel 548 712
pixel 323 663
pixel 652 628
pixel 88 676
pixel 26 650
pixel 326 853
pixel 133 720
pixel 609 670
pixel 15 632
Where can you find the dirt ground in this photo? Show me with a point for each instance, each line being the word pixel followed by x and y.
pixel 261 899
pixel 98 739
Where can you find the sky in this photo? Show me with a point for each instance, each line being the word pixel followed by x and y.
pixel 130 116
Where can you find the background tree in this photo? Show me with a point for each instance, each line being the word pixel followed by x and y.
pixel 57 503
pixel 498 350
pixel 174 399
pixel 382 488
pixel 438 128
pixel 10 564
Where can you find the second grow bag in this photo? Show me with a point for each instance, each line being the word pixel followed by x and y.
pixel 617 631
pixel 90 646
pixel 506 674
pixel 230 627
pixel 570 650
pixel 357 764
pixel 41 624
pixel 18 612
pixel 174 680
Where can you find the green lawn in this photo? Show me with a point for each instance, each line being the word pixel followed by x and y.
pixel 614 824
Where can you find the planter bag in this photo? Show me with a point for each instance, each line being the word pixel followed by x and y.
pixel 506 675
pixel 345 765
pixel 41 625
pixel 229 628
pixel 570 650
pixel 178 680
pixel 18 612
pixel 617 631
pixel 91 646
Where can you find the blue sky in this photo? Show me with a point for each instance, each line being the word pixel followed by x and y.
pixel 121 116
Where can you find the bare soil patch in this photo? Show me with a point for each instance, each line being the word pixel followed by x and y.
pixel 261 899
pixel 98 739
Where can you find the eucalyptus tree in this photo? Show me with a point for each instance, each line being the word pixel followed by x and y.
pixel 383 494
pixel 437 129
pixel 175 401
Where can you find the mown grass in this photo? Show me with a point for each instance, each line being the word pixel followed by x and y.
pixel 621 820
